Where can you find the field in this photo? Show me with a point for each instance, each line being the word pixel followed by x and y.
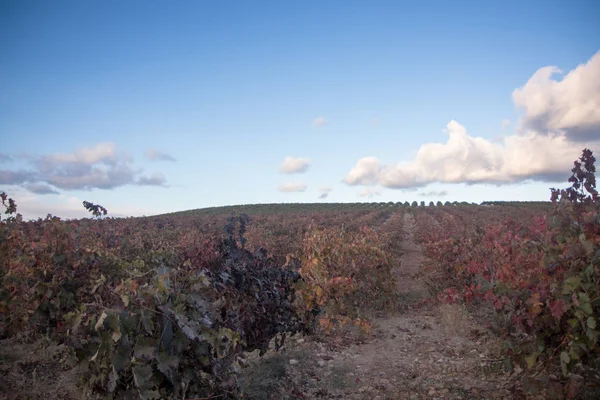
pixel 365 300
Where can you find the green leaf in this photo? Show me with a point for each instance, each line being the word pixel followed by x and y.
pixel 570 284
pixel 583 297
pixel 591 323
pixel 148 321
pixel 112 380
pixel 73 319
pixel 144 352
pixel 150 395
pixel 530 360
pixel 121 358
pixel 128 323
pixel 564 362
pixel 167 365
pixel 573 354
pixel 564 357
pixel 592 336
pixel 587 308
pixel 142 376
pixel 573 322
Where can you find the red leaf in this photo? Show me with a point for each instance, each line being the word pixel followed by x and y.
pixel 558 308
pixel 575 301
pixel 498 304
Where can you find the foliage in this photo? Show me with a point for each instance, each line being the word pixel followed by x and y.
pixel 345 274
pixel 179 333
pixel 583 182
pixel 542 274
pixel 8 236
pixel 10 206
pixel 96 209
pixel 158 307
pixel 159 322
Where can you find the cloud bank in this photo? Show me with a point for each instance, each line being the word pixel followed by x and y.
pixel 39 188
pixel 98 167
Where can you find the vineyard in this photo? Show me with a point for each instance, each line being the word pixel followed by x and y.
pixel 169 306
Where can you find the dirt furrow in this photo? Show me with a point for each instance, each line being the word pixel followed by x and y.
pixel 429 352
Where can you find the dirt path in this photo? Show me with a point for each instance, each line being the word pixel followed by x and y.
pixel 409 264
pixel 434 352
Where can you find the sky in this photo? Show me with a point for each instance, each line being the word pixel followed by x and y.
pixel 149 107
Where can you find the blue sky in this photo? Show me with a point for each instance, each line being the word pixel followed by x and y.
pixel 230 89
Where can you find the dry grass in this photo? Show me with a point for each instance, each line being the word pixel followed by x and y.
pixel 455 319
pixel 263 378
pixel 267 376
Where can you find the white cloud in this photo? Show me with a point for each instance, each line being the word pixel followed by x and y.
pixel 469 159
pixel 571 105
pixel 156 179
pixel 366 172
pixel 289 187
pixel 560 119
pixel 293 165
pixel 99 153
pixel 319 121
pixel 157 155
pixel 369 192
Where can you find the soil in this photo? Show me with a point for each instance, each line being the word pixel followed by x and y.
pixel 32 371
pixel 418 352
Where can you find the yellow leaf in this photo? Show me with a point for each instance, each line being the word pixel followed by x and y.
pixel 535 307
pixel 530 360
pixel 100 321
pixel 95 355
